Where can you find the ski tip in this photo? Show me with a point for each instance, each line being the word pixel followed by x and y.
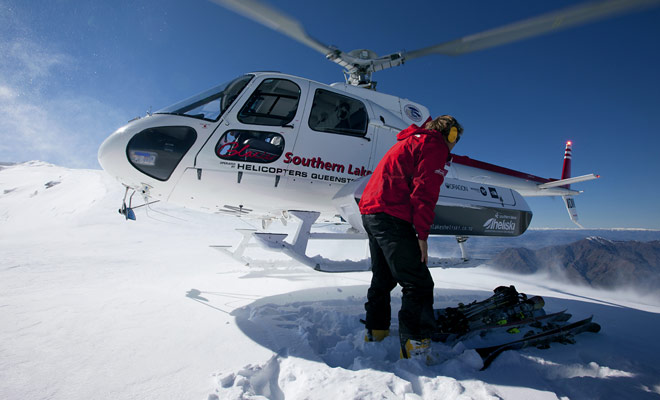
pixel 563 318
pixel 486 362
pixel 537 302
pixel 593 327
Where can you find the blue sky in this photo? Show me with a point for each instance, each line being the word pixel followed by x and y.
pixel 72 72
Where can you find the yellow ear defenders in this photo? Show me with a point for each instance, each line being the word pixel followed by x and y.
pixel 452 137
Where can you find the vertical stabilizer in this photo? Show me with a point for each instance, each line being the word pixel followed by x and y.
pixel 566 169
pixel 569 201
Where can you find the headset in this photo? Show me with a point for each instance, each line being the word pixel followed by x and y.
pixel 453 131
pixel 452 137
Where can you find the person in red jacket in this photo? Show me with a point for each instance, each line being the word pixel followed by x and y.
pixel 397 208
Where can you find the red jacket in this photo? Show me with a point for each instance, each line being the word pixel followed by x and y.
pixel 406 183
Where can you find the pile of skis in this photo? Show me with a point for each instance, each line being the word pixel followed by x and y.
pixel 508 320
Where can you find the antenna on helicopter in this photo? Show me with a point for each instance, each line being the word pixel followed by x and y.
pixel 361 63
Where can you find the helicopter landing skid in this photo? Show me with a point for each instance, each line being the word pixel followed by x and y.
pixel 297 248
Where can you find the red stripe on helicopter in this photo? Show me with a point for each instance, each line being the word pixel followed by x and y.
pixel 468 162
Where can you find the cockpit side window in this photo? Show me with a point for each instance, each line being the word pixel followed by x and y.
pixel 273 103
pixel 211 104
pixel 336 113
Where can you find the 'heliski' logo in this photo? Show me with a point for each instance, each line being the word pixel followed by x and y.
pixel 501 223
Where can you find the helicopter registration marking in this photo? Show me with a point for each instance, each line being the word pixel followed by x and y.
pixel 143 157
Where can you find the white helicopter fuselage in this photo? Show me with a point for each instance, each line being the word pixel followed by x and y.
pixel 310 169
pixel 269 142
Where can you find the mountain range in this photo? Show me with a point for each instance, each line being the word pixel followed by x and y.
pixel 593 261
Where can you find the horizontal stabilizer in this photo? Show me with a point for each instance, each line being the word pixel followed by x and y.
pixel 568 181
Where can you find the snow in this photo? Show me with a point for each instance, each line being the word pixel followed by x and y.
pixel 92 306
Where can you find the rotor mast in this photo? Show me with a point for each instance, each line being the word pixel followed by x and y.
pixel 361 63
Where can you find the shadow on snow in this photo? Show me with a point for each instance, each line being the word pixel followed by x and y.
pixel 322 325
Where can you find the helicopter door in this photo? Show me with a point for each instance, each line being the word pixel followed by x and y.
pixel 243 162
pixel 333 147
pixel 385 139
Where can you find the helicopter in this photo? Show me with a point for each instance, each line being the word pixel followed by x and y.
pixel 272 146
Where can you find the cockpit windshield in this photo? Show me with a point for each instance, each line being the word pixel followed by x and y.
pixel 211 104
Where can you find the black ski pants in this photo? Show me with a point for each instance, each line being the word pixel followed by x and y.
pixel 396 258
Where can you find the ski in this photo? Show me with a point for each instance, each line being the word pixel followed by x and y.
pixel 560 316
pixel 510 327
pixel 530 308
pixel 562 333
pixel 505 305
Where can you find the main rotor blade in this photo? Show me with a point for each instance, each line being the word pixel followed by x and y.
pixel 546 23
pixel 275 20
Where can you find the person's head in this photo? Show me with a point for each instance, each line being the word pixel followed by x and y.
pixel 342 109
pixel 448 127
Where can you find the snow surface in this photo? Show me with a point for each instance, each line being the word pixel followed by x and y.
pixel 93 307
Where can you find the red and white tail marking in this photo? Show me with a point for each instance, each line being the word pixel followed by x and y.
pixel 569 201
pixel 566 169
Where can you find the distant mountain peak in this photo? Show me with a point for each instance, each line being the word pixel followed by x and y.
pixel 599 239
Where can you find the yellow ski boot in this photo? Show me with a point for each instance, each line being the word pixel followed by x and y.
pixel 376 335
pixel 420 349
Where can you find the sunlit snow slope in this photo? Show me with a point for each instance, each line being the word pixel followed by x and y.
pixel 93 306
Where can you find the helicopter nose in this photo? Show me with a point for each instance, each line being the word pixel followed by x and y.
pixel 112 154
pixel 145 150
